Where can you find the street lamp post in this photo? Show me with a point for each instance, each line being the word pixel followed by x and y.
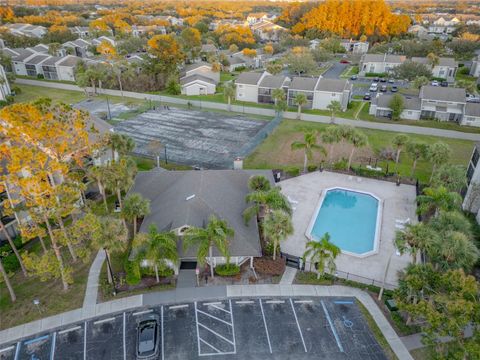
pixel 110 272
pixel 166 159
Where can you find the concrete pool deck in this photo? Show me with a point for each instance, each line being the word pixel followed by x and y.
pixel 398 204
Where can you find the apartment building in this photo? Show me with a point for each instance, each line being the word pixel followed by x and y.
pixel 379 63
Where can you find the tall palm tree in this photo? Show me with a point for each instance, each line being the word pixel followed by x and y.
pixel 399 142
pixel 278 95
pixel 99 174
pixel 120 144
pixel 335 107
pixel 262 202
pixel 277 226
pixel 300 100
pixel 135 206
pixel 157 248
pixel 323 254
pixel 259 183
pixel 120 176
pixel 447 221
pixel 14 248
pixel 308 145
pixel 217 233
pixel 229 93
pixel 357 139
pixel 331 136
pixel 454 250
pixel 438 154
pixel 13 297
pixel 415 239
pixel 435 199
pixel 416 151
pixel 433 59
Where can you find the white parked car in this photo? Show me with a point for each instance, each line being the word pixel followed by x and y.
pixel 473 98
pixel 435 83
pixel 373 87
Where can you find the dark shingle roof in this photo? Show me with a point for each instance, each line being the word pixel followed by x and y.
pixel 24 54
pixel 410 103
pixel 249 78
pixel 69 61
pixel 448 94
pixel 273 81
pixel 217 192
pixel 333 85
pixel 303 83
pixel 37 59
pixel 195 77
pixel 472 109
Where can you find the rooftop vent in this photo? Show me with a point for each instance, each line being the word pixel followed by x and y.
pixel 190 197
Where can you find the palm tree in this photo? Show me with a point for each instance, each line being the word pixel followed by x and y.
pixel 262 202
pixel 438 153
pixel 357 139
pixel 322 253
pixel 120 176
pixel 99 174
pixel 112 237
pixel 277 226
pixel 399 142
pixel 454 251
pixel 308 145
pixel 217 233
pixel 135 206
pixel 14 248
pixel 416 151
pixel 278 95
pixel 334 107
pixel 120 144
pixel 13 297
pixel 447 221
pixel 331 136
pixel 258 183
pixel 157 248
pixel 300 100
pixel 414 239
pixel 434 200
pixel 229 93
pixel 433 59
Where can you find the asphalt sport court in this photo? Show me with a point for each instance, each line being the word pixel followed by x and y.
pixel 207 139
pixel 244 328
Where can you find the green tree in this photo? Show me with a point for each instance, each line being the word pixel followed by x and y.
pixel 399 142
pixel 157 248
pixel 358 139
pixel 415 239
pixel 453 177
pixel 308 145
pixel 438 199
pixel 433 59
pixel 453 250
pixel 14 248
pixel 264 201
pixel 99 175
pixel 217 233
pixel 438 154
pixel 259 183
pixel 135 206
pixel 420 81
pixel 120 175
pixel 274 68
pixel 397 104
pixel 6 279
pixel 277 227
pixel 335 107
pixel 300 100
pixel 278 95
pixel 448 221
pixel 120 144
pixel 191 39
pixel 416 151
pixel 409 70
pixel 331 136
pixel 300 63
pixel 229 93
pixel 322 253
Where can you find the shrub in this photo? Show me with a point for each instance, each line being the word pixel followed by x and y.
pixel 240 68
pixel 3 103
pixel 10 99
pixel 173 87
pixel 463 70
pixel 10 263
pixel 16 90
pixel 227 270
pixel 268 248
pixel 340 165
pixel 132 270
pixel 292 171
pixel 372 74
pixel 312 168
pixel 40 76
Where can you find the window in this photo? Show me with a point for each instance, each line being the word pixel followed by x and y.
pixel 475 157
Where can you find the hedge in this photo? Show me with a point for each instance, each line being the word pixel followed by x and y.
pixel 372 74
pixel 133 274
pixel 227 270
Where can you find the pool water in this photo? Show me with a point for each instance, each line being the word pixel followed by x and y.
pixel 350 218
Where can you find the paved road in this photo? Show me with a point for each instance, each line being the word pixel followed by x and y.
pixel 334 71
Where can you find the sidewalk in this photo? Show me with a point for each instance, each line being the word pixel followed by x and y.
pixel 91 293
pixel 410 129
pixel 288 276
pixel 209 293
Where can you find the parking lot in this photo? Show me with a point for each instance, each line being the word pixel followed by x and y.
pixel 247 328
pixel 192 137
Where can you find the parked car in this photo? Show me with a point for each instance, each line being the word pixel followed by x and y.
pixel 353 77
pixel 383 80
pixel 373 87
pixel 394 88
pixel 391 81
pixel 383 88
pixel 435 83
pixel 472 98
pixel 376 79
pixel 444 84
pixel 367 96
pixel 148 335
pixel 344 61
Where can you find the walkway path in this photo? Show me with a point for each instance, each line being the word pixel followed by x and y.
pixel 209 293
pixel 266 112
pixel 288 276
pixel 90 300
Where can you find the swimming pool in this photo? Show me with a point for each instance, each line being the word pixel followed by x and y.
pixel 352 218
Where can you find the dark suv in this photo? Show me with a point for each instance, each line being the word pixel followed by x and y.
pixel 148 336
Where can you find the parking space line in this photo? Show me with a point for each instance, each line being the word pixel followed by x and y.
pixel 69 330
pixel 343 302
pixel 163 334
pixel 198 333
pixel 52 350
pixel 142 312
pixel 85 341
pixel 275 302
pixel 124 341
pixel 266 328
pixel 332 326
pixel 298 325
pixel 17 350
pixel 210 345
pixel 244 302
pixel 40 338
pixel 214 317
pixel 173 307
pixel 103 321
pixel 219 308
pixel 303 301
pixel 233 327
pixel 7 349
pixel 212 303
pixel 217 334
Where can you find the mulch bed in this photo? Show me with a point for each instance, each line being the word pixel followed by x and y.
pixel 267 266
pixel 146 282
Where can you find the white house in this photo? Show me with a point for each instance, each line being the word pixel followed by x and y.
pixel 472 114
pixel 328 90
pixel 441 26
pixel 79 47
pixel 445 69
pixel 355 46
pixel 256 17
pixel 419 31
pixel 27 30
pixel 199 79
pixel 101 39
pixel 471 201
pixel 66 67
pixel 139 30
pixel 475 68
pixel 269 83
pixel 380 107
pixel 18 61
pixel 305 86
pixel 247 85
pixel 379 63
pixel 4 85
pixel 267 31
pixel 33 65
pixel 80 31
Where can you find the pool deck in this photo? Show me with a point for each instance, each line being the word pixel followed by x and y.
pixel 398 203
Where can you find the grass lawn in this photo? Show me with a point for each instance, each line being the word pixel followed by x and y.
pixel 226 76
pixel 275 151
pixel 53 299
pixel 349 71
pixel 349 114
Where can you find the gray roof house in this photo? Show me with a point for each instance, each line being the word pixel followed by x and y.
pixel 268 83
pixel 328 90
pixel 182 199
pixel 379 63
pixel 302 85
pixel 380 107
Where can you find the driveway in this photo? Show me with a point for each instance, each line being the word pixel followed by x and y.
pixel 335 70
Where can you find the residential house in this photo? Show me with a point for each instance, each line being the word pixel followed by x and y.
pixel 443 27
pixel 214 25
pixel 80 31
pixel 4 85
pixel 302 85
pixel 267 31
pixel 419 31
pixel 380 107
pixel 33 65
pixel 18 61
pixel 471 201
pixel 78 47
pixel 475 68
pixel 254 18
pixel 355 46
pixel 328 90
pixel 247 85
pixel 472 114
pixel 269 83
pixel 174 21
pixel 66 67
pixel 379 63
pixel 199 79
pixel 29 30
pixel 180 200
pixel 208 50
pixel 236 61
pixel 445 69
pixel 40 48
pixel 139 30
pixel 101 39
